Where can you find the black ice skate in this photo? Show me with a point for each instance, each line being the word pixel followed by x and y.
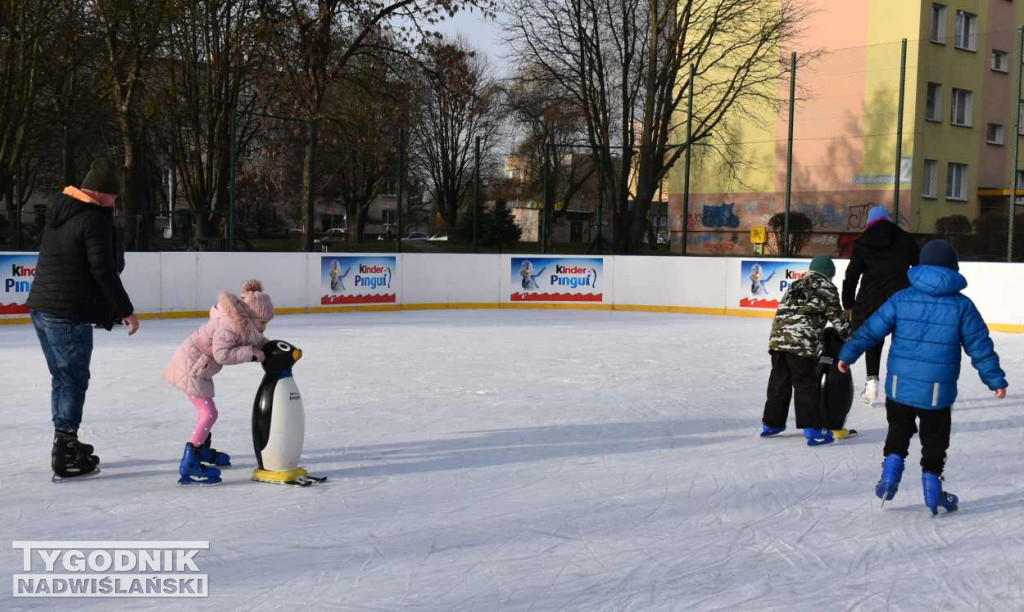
pixel 71 458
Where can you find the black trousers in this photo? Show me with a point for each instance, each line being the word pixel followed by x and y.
pixel 792 375
pixel 873 358
pixel 934 430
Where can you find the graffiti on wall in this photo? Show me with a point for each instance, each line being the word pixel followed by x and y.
pixel 720 216
pixel 718 243
pixel 824 216
pixel 720 223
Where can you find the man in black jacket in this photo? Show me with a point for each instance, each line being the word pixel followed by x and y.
pixel 880 261
pixel 77 286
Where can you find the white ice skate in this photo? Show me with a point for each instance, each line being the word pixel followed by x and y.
pixel 870 393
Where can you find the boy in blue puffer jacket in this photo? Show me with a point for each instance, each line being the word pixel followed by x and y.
pixel 929 322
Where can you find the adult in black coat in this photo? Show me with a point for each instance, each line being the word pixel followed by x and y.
pixel 880 261
pixel 76 286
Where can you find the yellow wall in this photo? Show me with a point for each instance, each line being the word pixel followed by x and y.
pixel 944 142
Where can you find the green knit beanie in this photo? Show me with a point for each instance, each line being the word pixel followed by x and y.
pixel 822 264
pixel 102 177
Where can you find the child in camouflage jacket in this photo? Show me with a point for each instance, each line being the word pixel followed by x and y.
pixel 795 342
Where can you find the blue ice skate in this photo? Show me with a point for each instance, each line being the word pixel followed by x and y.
pixel 194 472
pixel 892 473
pixel 934 496
pixel 818 437
pixel 768 431
pixel 208 454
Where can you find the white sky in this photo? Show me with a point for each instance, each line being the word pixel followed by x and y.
pixel 484 34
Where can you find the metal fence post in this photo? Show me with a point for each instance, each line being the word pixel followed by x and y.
pixel 545 212
pixel 897 181
pixel 311 197
pixel 476 195
pixel 401 189
pixel 67 159
pixel 600 205
pixel 233 161
pixel 789 154
pixel 1012 208
pixel 689 159
pixel 16 213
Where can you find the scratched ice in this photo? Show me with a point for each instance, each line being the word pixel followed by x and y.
pixel 520 460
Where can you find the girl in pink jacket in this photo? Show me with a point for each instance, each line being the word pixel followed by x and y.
pixel 234 334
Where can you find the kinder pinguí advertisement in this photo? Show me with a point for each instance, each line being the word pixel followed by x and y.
pixel 763 283
pixel 557 279
pixel 16 275
pixel 357 279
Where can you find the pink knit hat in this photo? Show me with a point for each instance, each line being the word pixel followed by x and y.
pixel 257 301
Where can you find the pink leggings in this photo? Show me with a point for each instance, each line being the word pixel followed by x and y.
pixel 205 419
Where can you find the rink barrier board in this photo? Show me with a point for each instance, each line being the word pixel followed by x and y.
pixel 996 327
pixel 186 283
pixel 198 314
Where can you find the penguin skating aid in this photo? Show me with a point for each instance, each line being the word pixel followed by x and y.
pixel 278 420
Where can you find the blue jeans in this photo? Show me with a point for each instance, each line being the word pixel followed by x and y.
pixel 68 350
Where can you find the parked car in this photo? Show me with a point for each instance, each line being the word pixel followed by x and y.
pixel 337 231
pixel 333 236
pixel 416 236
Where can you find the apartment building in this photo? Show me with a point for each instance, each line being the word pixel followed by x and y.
pixel 957 130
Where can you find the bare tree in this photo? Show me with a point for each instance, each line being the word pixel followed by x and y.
pixel 213 67
pixel 359 147
pixel 458 103
pixel 23 26
pixel 553 135
pixel 74 111
pixel 133 31
pixel 625 65
pixel 316 40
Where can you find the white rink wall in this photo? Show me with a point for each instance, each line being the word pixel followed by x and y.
pixel 183 284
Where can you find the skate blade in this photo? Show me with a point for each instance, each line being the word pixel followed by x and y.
pixel 55 479
pixel 199 483
pixel 305 481
pixel 301 481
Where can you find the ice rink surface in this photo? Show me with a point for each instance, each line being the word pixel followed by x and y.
pixel 520 460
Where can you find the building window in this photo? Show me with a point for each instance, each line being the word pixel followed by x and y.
pixel 1000 61
pixel 956 182
pixel 994 134
pixel 575 231
pixel 966 31
pixel 387 216
pixel 938 24
pixel 933 108
pixel 931 179
pixel 963 107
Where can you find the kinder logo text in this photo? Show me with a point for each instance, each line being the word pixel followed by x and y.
pixel 20 280
pixel 573 277
pixel 373 276
pixel 790 277
pixel 111 569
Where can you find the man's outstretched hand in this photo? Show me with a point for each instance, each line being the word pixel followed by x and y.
pixel 844 367
pixel 1001 393
pixel 132 322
